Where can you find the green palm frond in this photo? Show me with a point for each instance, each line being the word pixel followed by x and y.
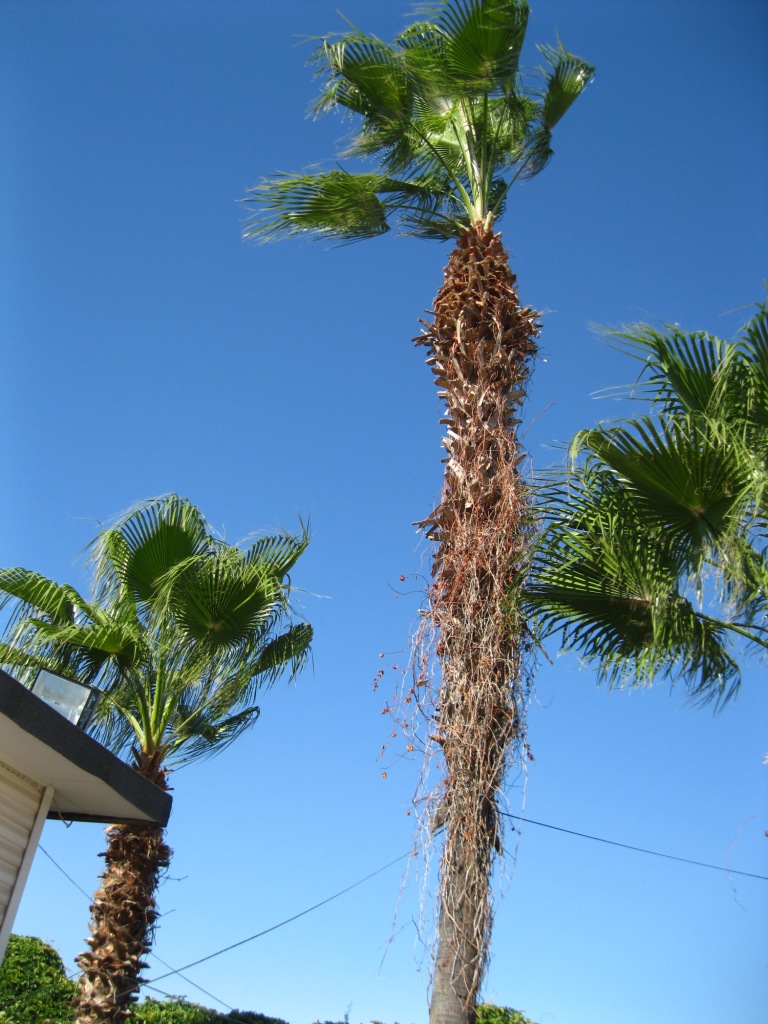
pixel 696 373
pixel 25 664
pixel 442 114
pixel 338 204
pixel 218 602
pixel 481 44
pixel 287 650
pixel 752 349
pixel 145 543
pixel 100 640
pixel 566 79
pixel 58 603
pixel 654 555
pixel 203 735
pixel 680 370
pixel 278 553
pixel 364 76
pixel 351 207
pixel 680 477
pixel 610 586
pixel 183 631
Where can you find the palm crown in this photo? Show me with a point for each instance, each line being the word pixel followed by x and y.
pixel 182 630
pixel 443 121
pixel 653 556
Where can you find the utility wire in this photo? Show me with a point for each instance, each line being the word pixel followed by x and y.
pixel 378 871
pixel 288 920
pixel 149 984
pixel 163 962
pixel 637 849
pixel 61 869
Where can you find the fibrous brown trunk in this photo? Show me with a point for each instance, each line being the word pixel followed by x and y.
pixel 123 915
pixel 479 342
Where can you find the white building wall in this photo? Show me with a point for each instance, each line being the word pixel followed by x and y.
pixel 23 808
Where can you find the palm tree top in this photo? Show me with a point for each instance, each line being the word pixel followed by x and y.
pixel 444 125
pixel 181 632
pixel 652 559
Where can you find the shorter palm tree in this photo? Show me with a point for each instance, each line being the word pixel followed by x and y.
pixel 653 558
pixel 181 632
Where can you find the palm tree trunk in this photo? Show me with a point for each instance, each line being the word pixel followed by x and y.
pixel 123 914
pixel 479 345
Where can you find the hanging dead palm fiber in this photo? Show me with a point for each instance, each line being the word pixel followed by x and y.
pixel 479 343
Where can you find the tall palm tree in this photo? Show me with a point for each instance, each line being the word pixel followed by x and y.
pixel 653 560
pixel 182 631
pixel 446 123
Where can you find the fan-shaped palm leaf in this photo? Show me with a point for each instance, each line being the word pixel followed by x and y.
pixel 609 583
pixel 663 509
pixel 182 633
pixel 481 45
pixel 29 589
pixel 443 112
pixel 680 476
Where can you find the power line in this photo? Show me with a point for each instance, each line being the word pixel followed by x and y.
pixel 164 962
pixel 637 849
pixel 360 881
pixel 61 869
pixel 582 835
pixel 288 920
pixel 242 942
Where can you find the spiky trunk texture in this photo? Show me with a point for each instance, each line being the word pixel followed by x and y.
pixel 123 914
pixel 480 342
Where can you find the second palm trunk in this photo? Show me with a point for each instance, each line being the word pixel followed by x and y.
pixel 480 343
pixel 123 914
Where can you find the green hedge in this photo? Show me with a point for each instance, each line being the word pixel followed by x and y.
pixel 178 1011
pixel 487 1013
pixel 34 988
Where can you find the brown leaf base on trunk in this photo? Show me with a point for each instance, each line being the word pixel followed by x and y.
pixel 479 345
pixel 123 916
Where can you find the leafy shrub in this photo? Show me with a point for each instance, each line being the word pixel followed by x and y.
pixel 177 1010
pixel 34 988
pixel 173 1011
pixel 251 1017
pixel 487 1013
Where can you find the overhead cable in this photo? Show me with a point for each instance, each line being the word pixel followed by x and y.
pixel 637 849
pixel 360 881
pixel 152 952
pixel 288 920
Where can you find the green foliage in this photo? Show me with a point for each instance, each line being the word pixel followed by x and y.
pixel 34 988
pixel 181 632
pixel 441 115
pixel 251 1017
pixel 653 556
pixel 487 1013
pixel 177 1010
pixel 173 1011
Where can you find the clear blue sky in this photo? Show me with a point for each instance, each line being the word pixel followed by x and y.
pixel 147 349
